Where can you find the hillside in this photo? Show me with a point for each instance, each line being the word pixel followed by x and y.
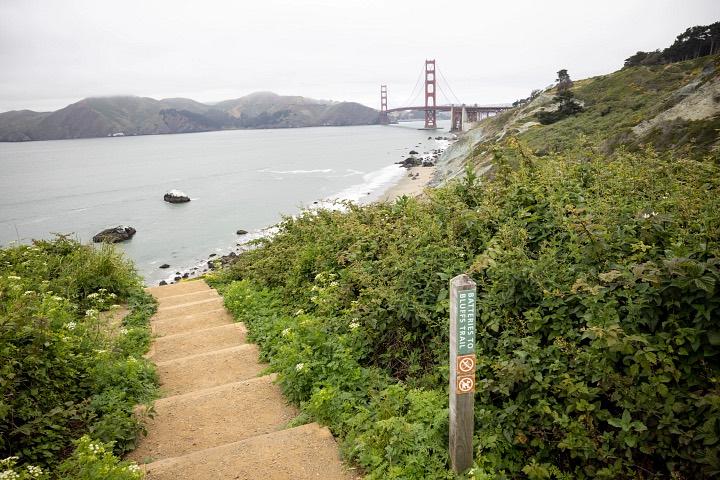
pixel 674 107
pixel 594 241
pixel 107 116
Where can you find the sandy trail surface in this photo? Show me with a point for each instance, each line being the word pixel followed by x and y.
pixel 220 417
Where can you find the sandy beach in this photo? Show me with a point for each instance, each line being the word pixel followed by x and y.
pixel 413 184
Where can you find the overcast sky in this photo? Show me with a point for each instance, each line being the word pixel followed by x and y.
pixel 55 52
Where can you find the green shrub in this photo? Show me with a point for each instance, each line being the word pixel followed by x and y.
pixel 598 296
pixel 94 460
pixel 64 371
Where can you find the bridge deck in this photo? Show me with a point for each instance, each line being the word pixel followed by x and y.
pixel 447 108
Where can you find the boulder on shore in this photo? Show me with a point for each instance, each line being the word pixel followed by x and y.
pixel 411 162
pixel 114 235
pixel 176 196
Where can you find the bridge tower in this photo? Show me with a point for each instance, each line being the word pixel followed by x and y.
pixel 430 112
pixel 384 120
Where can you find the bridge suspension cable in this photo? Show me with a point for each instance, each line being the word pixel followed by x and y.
pixel 414 94
pixel 449 87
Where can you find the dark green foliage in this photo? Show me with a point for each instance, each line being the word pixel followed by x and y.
pixel 64 369
pixel 567 107
pixel 697 41
pixel 598 344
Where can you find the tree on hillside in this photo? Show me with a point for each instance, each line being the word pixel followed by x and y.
pixel 694 42
pixel 565 99
pixel 563 80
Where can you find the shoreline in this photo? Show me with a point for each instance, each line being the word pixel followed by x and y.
pixel 412 183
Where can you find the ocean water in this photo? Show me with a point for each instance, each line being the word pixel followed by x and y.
pixel 240 179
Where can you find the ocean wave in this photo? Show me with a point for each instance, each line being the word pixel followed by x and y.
pixel 373 185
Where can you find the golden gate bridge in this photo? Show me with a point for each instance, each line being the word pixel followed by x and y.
pixel 462 116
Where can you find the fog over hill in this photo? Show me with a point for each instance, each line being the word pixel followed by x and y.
pixel 127 115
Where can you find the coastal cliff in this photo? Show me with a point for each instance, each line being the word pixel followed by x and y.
pixel 672 107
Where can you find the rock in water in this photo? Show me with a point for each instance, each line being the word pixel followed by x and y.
pixel 115 235
pixel 243 232
pixel 165 265
pixel 176 196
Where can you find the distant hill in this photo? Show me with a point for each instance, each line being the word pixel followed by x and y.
pixel 126 115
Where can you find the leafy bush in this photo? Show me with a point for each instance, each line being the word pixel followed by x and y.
pixel 598 296
pixel 64 370
pixel 95 460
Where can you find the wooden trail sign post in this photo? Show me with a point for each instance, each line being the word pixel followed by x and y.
pixel 463 292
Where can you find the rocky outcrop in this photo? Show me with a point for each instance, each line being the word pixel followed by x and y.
pixel 114 235
pixel 176 196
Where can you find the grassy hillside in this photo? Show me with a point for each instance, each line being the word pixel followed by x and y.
pixel 674 107
pixel 598 270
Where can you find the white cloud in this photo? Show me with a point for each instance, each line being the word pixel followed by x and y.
pixel 53 53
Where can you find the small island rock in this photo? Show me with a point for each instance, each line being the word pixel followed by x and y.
pixel 243 232
pixel 176 196
pixel 165 265
pixel 114 235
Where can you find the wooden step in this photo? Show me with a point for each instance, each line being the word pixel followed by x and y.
pixel 213 417
pixel 177 288
pixel 188 323
pixel 185 344
pixel 301 453
pixel 209 369
pixel 185 298
pixel 186 309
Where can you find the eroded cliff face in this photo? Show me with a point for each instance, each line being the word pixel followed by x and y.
pixel 667 107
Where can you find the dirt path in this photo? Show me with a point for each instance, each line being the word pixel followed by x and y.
pixel 220 419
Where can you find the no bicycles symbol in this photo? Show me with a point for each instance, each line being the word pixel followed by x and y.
pixel 465 384
pixel 466 364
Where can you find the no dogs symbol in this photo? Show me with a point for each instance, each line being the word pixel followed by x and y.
pixel 465 384
pixel 466 364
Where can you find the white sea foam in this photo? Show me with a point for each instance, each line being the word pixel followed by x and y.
pixel 372 186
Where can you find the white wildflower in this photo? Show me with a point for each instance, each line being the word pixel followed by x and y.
pixel 28 293
pixel 57 298
pixel 123 331
pixel 354 325
pixel 93 295
pixel 9 475
pixel 133 468
pixel 71 325
pixel 91 312
pixel 96 448
pixel 34 471
pixel 285 332
pixel 299 367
